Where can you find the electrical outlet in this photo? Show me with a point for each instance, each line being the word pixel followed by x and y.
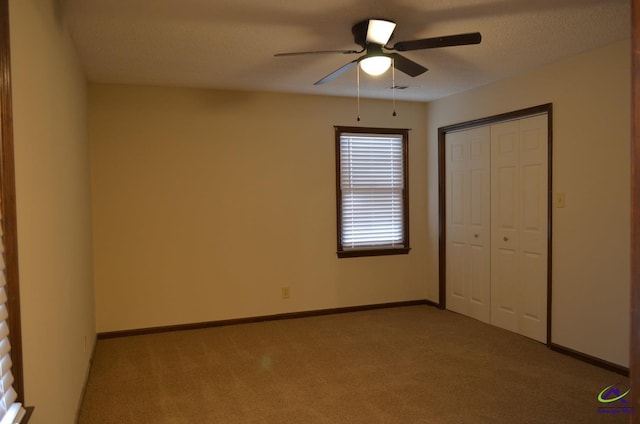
pixel 286 293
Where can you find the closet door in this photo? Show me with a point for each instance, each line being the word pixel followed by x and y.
pixel 468 222
pixel 519 183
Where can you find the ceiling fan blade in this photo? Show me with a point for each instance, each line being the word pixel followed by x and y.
pixel 436 42
pixel 337 72
pixel 319 52
pixel 407 66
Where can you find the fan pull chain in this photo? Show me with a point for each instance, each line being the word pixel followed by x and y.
pixel 393 85
pixel 358 84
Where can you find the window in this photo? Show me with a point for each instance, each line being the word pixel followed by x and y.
pixel 372 191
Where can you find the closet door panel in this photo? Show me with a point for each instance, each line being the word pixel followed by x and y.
pixel 534 224
pixel 479 229
pixel 457 269
pixel 468 222
pixel 519 185
pixel 505 222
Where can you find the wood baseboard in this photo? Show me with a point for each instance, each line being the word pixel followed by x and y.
pixel 590 359
pixel 235 321
pixel 304 314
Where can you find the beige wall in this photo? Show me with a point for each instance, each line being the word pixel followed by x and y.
pixel 53 205
pixel 591 141
pixel 207 203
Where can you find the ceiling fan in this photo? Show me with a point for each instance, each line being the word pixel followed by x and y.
pixel 373 35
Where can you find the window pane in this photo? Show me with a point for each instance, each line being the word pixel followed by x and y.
pixel 372 190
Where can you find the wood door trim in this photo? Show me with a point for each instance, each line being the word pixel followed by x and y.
pixel 8 193
pixel 634 343
pixel 442 133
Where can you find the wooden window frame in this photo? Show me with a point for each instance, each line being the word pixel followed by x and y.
pixel 373 251
pixel 8 193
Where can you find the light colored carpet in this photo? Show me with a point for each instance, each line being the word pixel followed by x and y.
pixel 399 365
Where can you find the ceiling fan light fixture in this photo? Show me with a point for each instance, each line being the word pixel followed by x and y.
pixel 375 65
pixel 379 31
pixel 373 35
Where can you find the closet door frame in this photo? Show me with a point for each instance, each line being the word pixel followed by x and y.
pixel 442 132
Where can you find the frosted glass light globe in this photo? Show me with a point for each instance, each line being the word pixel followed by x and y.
pixel 375 65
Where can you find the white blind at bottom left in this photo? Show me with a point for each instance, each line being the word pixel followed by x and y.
pixel 10 411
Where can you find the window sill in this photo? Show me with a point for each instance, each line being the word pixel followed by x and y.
pixel 17 414
pixel 27 415
pixel 356 253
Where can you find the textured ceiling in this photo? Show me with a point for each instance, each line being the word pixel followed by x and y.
pixel 229 44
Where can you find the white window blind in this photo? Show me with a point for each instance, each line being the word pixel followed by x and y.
pixel 372 190
pixel 10 411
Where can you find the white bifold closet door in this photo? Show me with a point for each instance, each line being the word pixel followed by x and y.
pixel 519 214
pixel 468 222
pixel 496 217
